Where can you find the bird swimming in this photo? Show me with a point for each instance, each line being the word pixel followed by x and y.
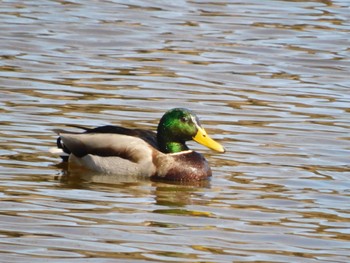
pixel 137 152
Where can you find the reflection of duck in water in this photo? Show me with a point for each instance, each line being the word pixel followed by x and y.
pixel 135 152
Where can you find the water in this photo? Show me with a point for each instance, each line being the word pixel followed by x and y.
pixel 268 79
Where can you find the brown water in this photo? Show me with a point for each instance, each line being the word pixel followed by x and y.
pixel 268 79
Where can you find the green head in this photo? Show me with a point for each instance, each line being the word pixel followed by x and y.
pixel 180 125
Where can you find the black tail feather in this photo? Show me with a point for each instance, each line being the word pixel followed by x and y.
pixel 60 145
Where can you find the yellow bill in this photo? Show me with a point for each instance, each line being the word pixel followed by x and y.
pixel 203 138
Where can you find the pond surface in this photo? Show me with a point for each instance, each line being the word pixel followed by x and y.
pixel 268 79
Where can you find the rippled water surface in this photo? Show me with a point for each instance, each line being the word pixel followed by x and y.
pixel 268 79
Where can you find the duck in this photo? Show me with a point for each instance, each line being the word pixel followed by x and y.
pixel 161 155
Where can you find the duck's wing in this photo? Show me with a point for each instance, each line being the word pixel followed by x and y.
pixel 107 144
pixel 110 152
pixel 149 136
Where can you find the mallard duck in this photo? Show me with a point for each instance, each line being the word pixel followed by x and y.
pixel 136 152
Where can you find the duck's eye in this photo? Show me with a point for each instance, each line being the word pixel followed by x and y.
pixel 184 119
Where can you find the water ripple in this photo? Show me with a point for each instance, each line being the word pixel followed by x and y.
pixel 268 79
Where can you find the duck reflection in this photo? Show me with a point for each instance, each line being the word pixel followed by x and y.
pixel 165 193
